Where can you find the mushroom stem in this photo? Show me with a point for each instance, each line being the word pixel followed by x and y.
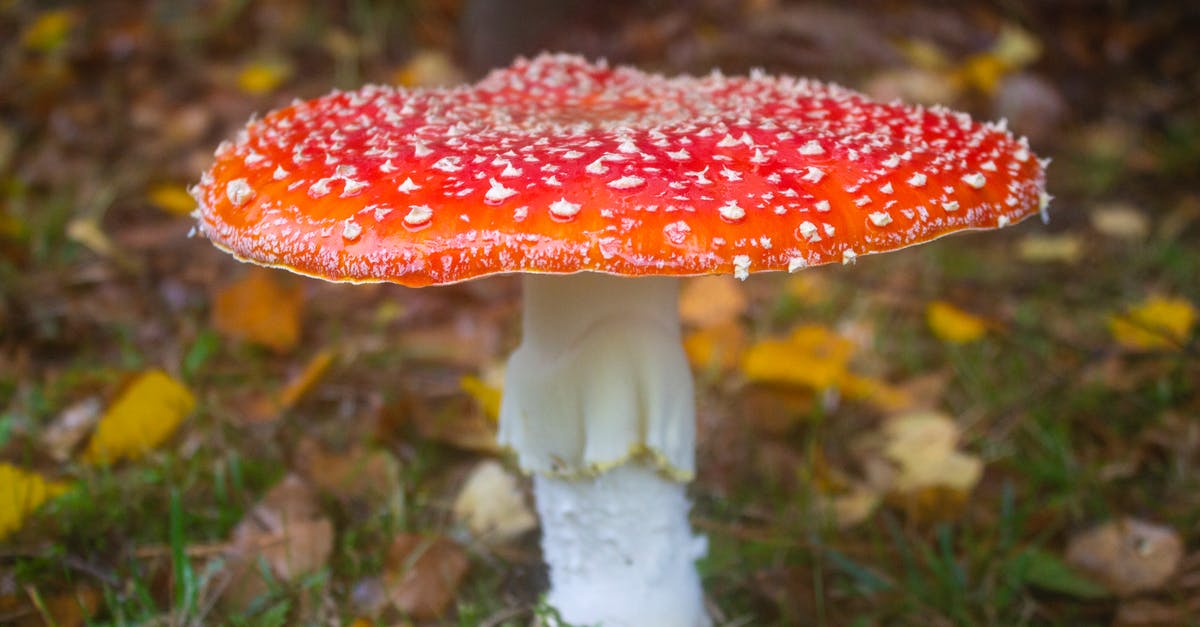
pixel 598 405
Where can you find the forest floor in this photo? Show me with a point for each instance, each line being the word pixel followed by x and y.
pixel 996 429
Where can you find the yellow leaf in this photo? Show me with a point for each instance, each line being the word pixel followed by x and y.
pixel 258 308
pixel 812 356
pixel 719 347
pixel 710 301
pixel 299 385
pixel 263 77
pixel 1014 48
pixel 488 397
pixel 171 198
pixel 22 492
pixel 49 31
pixel 951 324
pixel 141 418
pixel 1154 324
pixel 878 393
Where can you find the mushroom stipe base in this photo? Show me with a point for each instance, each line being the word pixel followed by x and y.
pixel 598 406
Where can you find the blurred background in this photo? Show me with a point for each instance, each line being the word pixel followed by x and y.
pixel 998 429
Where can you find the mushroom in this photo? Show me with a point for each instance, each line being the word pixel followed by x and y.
pixel 603 185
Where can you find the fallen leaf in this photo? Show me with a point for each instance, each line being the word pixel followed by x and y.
pixel 49 30
pixel 1129 555
pixel 422 574
pixel 951 324
pixel 716 348
pixel 1065 248
pixel 813 356
pixel 457 423
pixel 263 77
pixel 172 198
pixel 1120 221
pixel 285 533
pixel 66 609
pixel 86 230
pixel 22 492
pixel 710 301
pixel 67 430
pixel 145 414
pixel 366 475
pixel 492 506
pixel 1156 323
pixel 875 392
pixel 269 407
pixel 926 475
pixel 485 395
pixel 260 309
pixel 850 507
pixel 1014 48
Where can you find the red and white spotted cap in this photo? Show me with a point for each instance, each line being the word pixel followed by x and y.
pixel 558 165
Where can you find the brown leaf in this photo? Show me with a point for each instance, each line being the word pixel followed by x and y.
pixel 1128 554
pixel 461 425
pixel 423 574
pixel 259 308
pixel 357 474
pixel 66 609
pixel 286 532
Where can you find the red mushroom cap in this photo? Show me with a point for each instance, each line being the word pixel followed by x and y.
pixel 558 165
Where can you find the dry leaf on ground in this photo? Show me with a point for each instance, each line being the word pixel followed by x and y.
pixel 1156 323
pixel 719 347
pixel 63 435
pixel 709 301
pixel 423 573
pixel 259 308
pixel 145 414
pixel 1066 248
pixel 172 198
pixel 492 505
pixel 951 324
pixel 269 407
pixel 22 492
pixel 914 462
pixel 368 475
pixel 66 609
pixel 457 422
pixel 486 395
pixel 286 532
pixel 1129 555
pixel 1120 221
pixel 812 356
pixel 263 77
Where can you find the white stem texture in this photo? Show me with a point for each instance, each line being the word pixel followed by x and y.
pixel 598 406
pixel 620 551
pixel 600 377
